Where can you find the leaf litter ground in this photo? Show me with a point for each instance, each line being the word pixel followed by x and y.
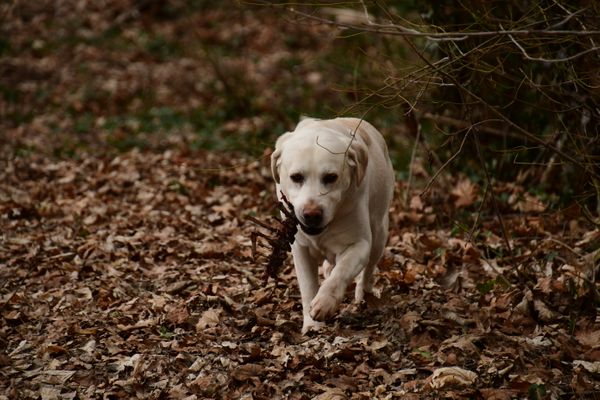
pixel 132 276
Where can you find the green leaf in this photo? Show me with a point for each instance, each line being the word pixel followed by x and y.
pixel 486 286
pixel 537 391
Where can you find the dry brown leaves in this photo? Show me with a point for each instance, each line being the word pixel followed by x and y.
pixel 132 277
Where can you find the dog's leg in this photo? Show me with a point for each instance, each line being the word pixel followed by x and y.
pixel 307 273
pixel 365 282
pixel 364 285
pixel 327 268
pixel 348 264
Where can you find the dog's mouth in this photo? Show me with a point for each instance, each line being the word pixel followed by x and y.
pixel 312 230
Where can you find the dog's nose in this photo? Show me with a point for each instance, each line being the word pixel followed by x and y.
pixel 312 215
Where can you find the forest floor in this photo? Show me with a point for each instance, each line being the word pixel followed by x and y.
pixel 126 268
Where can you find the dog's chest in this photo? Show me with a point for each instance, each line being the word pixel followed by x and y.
pixel 320 249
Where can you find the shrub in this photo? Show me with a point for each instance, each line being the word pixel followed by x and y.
pixel 519 79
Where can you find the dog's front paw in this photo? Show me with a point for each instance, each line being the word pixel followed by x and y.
pixel 311 325
pixel 323 306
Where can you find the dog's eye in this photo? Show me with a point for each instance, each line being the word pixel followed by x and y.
pixel 330 178
pixel 297 178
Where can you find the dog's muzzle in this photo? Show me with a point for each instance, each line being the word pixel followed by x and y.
pixel 312 219
pixel 312 230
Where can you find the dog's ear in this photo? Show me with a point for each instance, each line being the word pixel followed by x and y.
pixel 276 155
pixel 358 159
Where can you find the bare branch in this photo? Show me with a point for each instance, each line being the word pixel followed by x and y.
pixel 457 123
pixel 551 60
pixel 500 115
pixel 568 17
pixel 448 161
pixel 399 30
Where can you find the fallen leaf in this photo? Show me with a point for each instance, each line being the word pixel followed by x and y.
pixel 178 315
pixel 447 376
pixel 410 321
pixel 246 372
pixel 145 323
pixel 589 338
pixel 331 394
pixel 49 393
pixel 464 193
pixel 56 377
pixel 593 367
pixel 210 318
pixel 416 203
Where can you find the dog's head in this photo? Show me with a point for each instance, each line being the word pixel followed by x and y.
pixel 315 167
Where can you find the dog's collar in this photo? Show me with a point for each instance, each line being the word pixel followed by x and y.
pixel 312 231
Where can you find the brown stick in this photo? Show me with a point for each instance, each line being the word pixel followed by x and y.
pixel 457 123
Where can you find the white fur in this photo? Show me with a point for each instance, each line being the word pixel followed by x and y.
pixel 354 208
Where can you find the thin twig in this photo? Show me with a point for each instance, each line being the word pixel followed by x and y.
pixel 567 18
pixel 551 60
pixel 457 123
pixel 417 135
pixel 478 215
pixel 399 30
pixel 566 246
pixel 492 196
pixel 448 161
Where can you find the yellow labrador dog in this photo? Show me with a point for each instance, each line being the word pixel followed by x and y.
pixel 338 176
